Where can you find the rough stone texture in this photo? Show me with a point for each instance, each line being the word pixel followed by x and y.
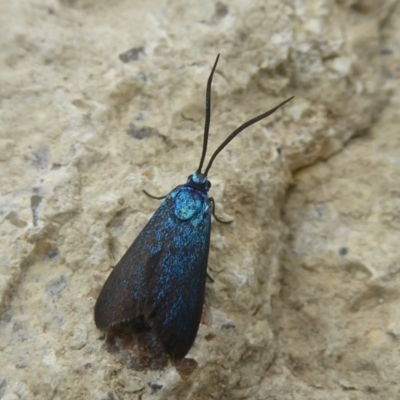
pixel 101 99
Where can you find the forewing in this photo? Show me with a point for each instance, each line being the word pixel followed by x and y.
pixel 162 275
pixel 178 281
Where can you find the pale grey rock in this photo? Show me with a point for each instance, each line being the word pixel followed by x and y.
pixel 291 314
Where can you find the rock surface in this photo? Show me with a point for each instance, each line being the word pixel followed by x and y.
pixel 100 100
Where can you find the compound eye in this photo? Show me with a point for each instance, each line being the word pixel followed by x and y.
pixel 208 185
pixel 190 177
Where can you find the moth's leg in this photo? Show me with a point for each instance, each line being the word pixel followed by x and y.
pixel 154 197
pixel 213 213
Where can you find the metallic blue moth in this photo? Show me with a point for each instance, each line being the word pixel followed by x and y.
pixel 159 283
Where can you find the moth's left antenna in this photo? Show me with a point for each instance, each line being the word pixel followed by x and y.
pixel 208 116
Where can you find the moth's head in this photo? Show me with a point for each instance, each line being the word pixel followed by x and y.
pixel 200 181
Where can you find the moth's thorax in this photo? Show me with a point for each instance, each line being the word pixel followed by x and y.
pixel 190 202
pixel 199 181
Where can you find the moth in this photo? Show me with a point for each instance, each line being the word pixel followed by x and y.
pixel 159 283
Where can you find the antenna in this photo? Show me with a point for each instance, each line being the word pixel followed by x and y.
pixel 208 116
pixel 240 129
